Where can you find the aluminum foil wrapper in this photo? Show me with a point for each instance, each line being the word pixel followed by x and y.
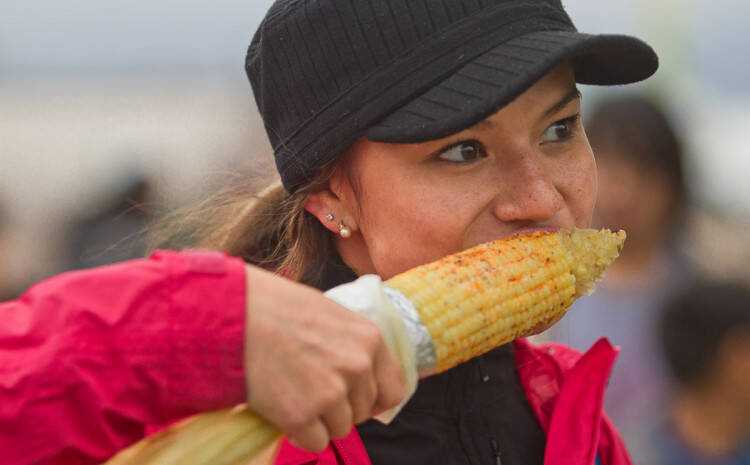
pixel 399 324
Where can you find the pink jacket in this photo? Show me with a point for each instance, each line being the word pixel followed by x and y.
pixel 92 361
pixel 565 390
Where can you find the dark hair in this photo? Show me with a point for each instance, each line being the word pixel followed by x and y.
pixel 696 322
pixel 640 129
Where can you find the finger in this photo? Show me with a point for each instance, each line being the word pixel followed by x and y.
pixel 362 398
pixel 339 420
pixel 389 377
pixel 313 437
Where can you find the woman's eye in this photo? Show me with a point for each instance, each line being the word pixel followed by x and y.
pixel 561 130
pixel 463 152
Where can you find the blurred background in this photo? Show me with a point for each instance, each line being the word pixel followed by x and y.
pixel 113 111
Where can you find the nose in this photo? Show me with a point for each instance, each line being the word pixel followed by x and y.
pixel 528 194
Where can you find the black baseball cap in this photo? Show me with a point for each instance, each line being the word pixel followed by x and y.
pixel 326 73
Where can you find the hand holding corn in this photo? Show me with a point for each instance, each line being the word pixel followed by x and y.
pixel 313 368
pixel 448 311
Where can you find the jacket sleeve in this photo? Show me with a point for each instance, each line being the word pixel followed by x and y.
pixel 89 359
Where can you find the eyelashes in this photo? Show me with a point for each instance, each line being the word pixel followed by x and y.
pixel 472 150
pixel 463 152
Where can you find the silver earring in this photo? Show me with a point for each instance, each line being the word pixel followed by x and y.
pixel 344 231
pixel 330 217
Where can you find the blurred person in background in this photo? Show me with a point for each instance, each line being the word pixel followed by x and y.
pixel 705 333
pixel 642 190
pixel 115 229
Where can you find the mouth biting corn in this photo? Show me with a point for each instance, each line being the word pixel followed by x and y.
pixel 484 297
pixel 469 302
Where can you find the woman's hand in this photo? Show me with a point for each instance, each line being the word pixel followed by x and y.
pixel 313 368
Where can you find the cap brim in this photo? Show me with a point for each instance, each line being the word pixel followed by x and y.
pixel 492 80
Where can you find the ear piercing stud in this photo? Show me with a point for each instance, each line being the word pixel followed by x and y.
pixel 344 231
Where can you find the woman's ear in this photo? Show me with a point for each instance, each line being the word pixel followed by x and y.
pixel 329 209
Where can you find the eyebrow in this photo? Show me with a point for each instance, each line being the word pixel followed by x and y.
pixel 571 96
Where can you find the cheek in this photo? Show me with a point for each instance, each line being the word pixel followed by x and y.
pixel 581 181
pixel 619 202
pixel 411 222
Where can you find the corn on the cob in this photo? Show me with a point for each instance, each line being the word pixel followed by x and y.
pixel 479 299
pixel 470 303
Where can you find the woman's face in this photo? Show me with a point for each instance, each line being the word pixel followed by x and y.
pixel 529 166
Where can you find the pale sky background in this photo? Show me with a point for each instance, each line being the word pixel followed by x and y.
pixel 125 36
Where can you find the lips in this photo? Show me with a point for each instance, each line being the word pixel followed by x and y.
pixel 525 231
pixel 521 231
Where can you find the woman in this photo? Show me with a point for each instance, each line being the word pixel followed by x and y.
pixel 402 131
